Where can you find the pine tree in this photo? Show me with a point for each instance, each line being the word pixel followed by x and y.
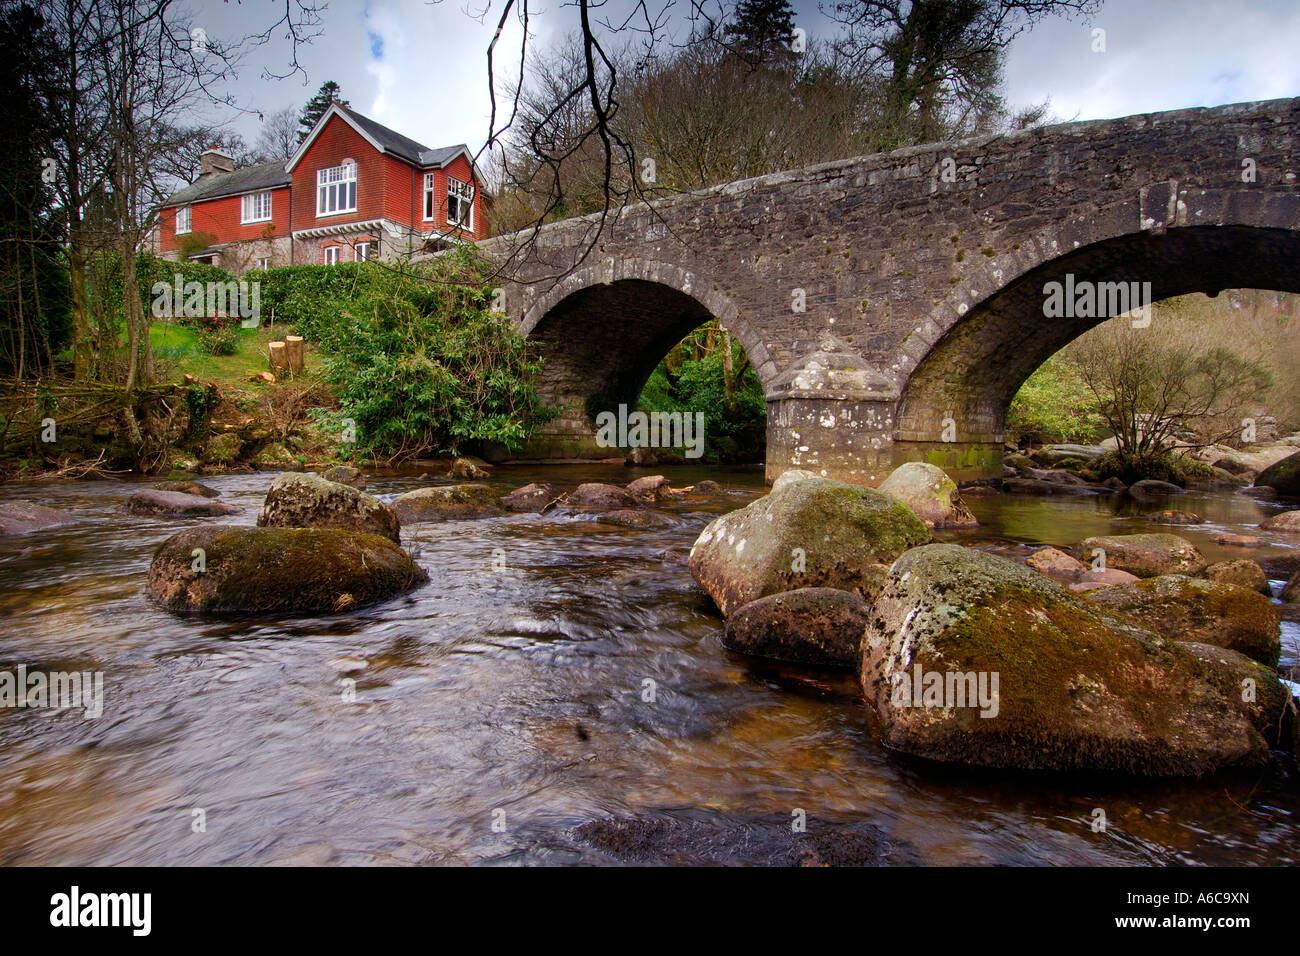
pixel 328 93
pixel 762 30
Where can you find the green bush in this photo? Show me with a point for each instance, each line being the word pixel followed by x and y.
pixel 305 297
pixel 419 360
pixel 737 433
pixel 217 335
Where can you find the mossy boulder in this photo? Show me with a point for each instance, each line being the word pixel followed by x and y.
pixel 309 501
pixel 1146 555
pixel 187 487
pixel 821 626
pixel 1253 689
pixel 22 517
pixel 1242 572
pixel 930 493
pixel 811 533
pixel 223 449
pixel 469 468
pixel 1282 476
pixel 151 501
pixel 276 457
pixel 1207 612
pixel 1077 687
pixel 448 503
pixel 227 569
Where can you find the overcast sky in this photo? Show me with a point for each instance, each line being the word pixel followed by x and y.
pixel 420 67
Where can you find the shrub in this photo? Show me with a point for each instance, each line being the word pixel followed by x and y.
pixel 1054 405
pixel 419 360
pixel 217 335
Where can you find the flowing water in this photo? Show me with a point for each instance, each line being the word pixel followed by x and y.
pixel 504 704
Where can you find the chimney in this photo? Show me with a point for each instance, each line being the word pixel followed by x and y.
pixel 214 161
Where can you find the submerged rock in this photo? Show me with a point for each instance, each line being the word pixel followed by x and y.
pixel 345 475
pixel 224 568
pixel 971 658
pixel 1207 612
pixel 1291 592
pixel 21 517
pixel 930 493
pixel 448 503
pixel 1172 516
pixel 634 518
pixel 820 626
pixel 1145 555
pixel 812 533
pixel 151 501
pixel 187 487
pixel 309 501
pixel 598 496
pixel 531 498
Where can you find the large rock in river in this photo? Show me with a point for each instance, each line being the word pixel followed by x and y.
pixel 975 659
pixel 21 517
pixel 224 568
pixel 1285 521
pixel 1207 612
pixel 448 503
pixel 1283 476
pixel 811 533
pixel 187 487
pixel 930 493
pixel 151 501
pixel 531 498
pixel 309 501
pixel 1146 555
pixel 809 626
pixel 598 496
pixel 1242 572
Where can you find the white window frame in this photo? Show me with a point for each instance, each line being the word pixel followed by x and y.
pixel 264 262
pixel 186 213
pixel 430 197
pixel 331 182
pixel 330 255
pixel 367 245
pixel 462 192
pixel 250 207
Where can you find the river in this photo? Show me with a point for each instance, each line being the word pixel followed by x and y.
pixel 506 703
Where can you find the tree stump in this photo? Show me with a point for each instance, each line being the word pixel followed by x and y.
pixel 279 361
pixel 293 353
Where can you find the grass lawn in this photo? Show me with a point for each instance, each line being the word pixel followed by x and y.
pixel 177 353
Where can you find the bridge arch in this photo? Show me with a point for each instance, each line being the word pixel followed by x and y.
pixel 965 364
pixel 605 326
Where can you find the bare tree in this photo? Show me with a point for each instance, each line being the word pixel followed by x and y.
pixel 278 138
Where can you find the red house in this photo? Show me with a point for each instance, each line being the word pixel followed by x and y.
pixel 354 190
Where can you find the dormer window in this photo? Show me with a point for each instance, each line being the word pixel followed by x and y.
pixel 336 189
pixel 256 207
pixel 183 218
pixel 460 204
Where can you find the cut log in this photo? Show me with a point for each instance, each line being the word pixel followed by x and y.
pixel 279 361
pixel 293 350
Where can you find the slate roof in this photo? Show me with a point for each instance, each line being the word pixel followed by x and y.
pixel 246 180
pixel 403 147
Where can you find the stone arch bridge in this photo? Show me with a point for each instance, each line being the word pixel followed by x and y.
pixel 922 273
